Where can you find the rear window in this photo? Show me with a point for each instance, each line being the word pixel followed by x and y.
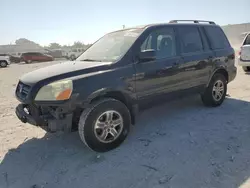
pixel 247 40
pixel 190 39
pixel 217 38
pixel 28 53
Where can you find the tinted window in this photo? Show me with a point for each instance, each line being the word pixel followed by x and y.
pixel 217 37
pixel 190 39
pixel 162 41
pixel 147 43
pixel 28 53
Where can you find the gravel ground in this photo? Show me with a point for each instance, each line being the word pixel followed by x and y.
pixel 181 144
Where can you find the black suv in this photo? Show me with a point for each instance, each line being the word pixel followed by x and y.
pixel 125 71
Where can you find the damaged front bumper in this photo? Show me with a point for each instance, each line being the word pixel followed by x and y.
pixel 47 118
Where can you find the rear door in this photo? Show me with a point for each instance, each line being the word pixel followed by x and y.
pixel 224 54
pixel 158 77
pixel 197 57
pixel 245 49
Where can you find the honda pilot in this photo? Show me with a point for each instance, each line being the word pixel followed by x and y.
pixel 101 92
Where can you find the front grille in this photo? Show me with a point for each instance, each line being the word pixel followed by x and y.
pixel 22 90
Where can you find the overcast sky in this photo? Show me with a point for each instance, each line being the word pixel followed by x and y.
pixel 66 21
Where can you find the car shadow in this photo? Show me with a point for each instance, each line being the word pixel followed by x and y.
pixel 178 144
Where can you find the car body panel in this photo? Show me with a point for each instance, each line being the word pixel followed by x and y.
pixel 245 53
pixel 61 71
pixel 5 58
pixel 244 57
pixel 33 56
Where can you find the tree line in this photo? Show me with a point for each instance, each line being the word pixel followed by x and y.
pixel 77 44
pixel 51 46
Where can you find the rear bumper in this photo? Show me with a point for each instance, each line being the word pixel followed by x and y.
pixel 243 63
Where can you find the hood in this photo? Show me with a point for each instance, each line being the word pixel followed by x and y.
pixel 62 70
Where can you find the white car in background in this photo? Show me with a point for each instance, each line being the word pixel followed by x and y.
pixel 244 55
pixel 4 60
pixel 74 53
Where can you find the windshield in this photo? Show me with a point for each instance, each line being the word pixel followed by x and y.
pixel 112 46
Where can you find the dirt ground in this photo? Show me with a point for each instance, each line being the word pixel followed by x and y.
pixel 181 144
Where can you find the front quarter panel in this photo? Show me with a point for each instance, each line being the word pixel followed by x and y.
pixel 118 79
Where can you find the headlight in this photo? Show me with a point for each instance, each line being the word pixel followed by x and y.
pixel 58 91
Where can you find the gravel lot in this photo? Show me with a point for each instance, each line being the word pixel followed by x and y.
pixel 181 144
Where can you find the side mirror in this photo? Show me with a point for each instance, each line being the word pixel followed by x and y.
pixel 147 55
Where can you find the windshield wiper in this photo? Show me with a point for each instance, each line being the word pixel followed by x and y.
pixel 90 60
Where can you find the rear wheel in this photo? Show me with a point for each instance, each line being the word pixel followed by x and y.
pixel 28 61
pixel 246 69
pixel 104 125
pixel 216 91
pixel 72 57
pixel 3 64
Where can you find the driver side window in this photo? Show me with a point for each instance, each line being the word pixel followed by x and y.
pixel 162 41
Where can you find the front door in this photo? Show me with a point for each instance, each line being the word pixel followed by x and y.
pixel 156 78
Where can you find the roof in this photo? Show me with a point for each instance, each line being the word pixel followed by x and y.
pixel 173 22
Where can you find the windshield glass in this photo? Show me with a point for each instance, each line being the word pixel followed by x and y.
pixel 112 46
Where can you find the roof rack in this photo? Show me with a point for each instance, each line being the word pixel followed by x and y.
pixel 194 21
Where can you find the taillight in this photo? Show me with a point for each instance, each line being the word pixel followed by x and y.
pixel 240 51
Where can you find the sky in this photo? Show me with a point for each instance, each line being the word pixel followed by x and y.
pixel 66 21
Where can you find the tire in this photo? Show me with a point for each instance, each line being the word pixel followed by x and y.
pixel 72 58
pixel 208 97
pixel 246 69
pixel 28 61
pixel 87 125
pixel 3 64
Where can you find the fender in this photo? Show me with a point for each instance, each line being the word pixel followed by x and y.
pixel 219 67
pixel 120 95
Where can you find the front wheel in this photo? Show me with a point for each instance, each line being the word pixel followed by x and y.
pixel 3 64
pixel 28 61
pixel 104 125
pixel 216 91
pixel 72 57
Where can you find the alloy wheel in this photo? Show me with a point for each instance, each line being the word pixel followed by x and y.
pixel 218 90
pixel 108 126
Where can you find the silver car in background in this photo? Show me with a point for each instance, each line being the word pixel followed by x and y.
pixel 244 55
pixel 4 60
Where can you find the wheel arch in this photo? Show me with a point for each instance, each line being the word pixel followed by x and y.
pixel 220 70
pixel 118 95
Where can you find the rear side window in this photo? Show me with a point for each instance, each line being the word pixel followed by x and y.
pixel 190 39
pixel 247 40
pixel 217 38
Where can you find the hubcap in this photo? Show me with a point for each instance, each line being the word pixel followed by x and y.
pixel 218 90
pixel 2 64
pixel 108 126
